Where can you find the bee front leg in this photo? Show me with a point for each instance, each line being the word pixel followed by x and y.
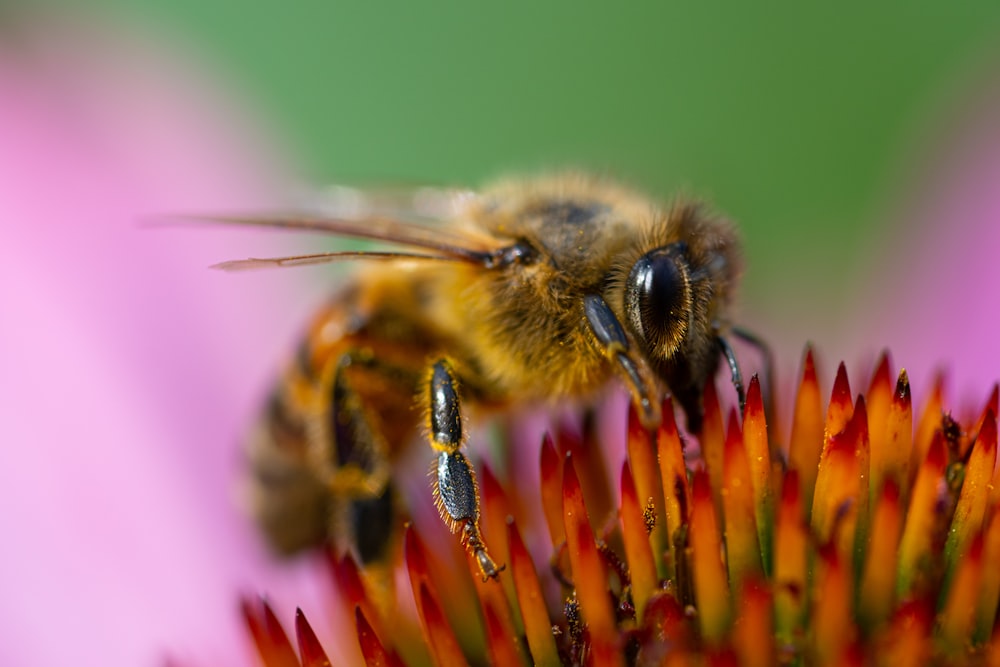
pixel 456 493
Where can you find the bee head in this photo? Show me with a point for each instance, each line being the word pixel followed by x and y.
pixel 658 299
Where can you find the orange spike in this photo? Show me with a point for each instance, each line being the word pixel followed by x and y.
pixel 438 635
pixel 956 620
pixel 666 621
pixel 642 568
pixel 967 521
pixel 918 530
pixel 742 549
pixel 713 443
pixel 493 600
pixel 878 579
pixel 352 589
pixel 502 643
pixel 791 541
pixel 589 574
pixel 711 591
pixel 753 632
pixel 535 616
pixel 269 637
pixel 992 405
pixel 551 464
pixel 989 595
pixel 375 654
pixel 837 503
pixel 419 569
pixel 928 425
pixel 841 406
pixel 646 475
pixel 806 441
pixel 832 626
pixel 906 642
pixel 310 649
pixel 496 511
pixel 879 401
pixel 673 474
pixel 758 454
pixel 898 439
pixel 591 469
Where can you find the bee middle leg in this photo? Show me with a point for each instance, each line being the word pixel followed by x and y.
pixel 455 490
pixel 351 456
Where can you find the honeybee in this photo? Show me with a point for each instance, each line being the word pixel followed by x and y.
pixel 528 291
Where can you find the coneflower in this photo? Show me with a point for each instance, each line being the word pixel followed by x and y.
pixel 871 538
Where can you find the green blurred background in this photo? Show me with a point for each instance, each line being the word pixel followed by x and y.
pixel 799 120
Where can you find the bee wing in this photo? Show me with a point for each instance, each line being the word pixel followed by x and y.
pixel 402 202
pixel 399 216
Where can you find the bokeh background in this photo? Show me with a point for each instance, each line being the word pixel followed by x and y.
pixel 856 144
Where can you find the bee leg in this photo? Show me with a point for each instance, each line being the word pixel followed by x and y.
pixel 734 367
pixel 455 491
pixel 765 351
pixel 353 461
pixel 632 369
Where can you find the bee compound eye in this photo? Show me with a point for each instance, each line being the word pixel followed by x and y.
pixel 656 295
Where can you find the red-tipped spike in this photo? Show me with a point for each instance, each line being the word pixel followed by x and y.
pixel 907 639
pixel 551 464
pixel 807 430
pixel 713 444
pixel 753 634
pixel 841 404
pixel 496 509
pixel 437 633
pixel 310 649
pixel 837 504
pixel 742 549
pixel 832 628
pixel 352 590
pixel 791 541
pixel 992 405
pixel 591 469
pixel 711 591
pixel 929 424
pixel 642 567
pixel 755 442
pixel 375 654
pixel 537 624
pixel 588 571
pixel 502 644
pixel 272 643
pixel 918 531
